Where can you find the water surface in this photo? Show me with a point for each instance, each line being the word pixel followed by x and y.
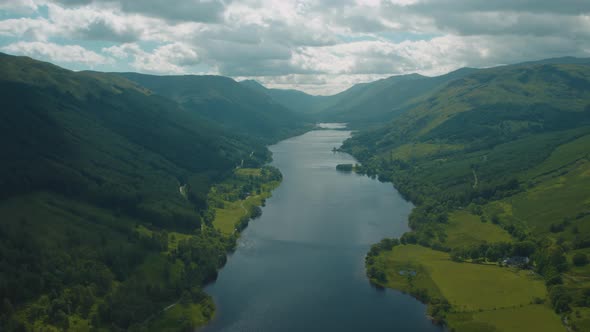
pixel 300 266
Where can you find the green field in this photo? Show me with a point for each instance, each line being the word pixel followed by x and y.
pixel 233 209
pixel 466 229
pixel 408 152
pixel 248 172
pixel 226 218
pixel 532 317
pixel 482 290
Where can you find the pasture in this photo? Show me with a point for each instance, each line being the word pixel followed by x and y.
pixel 486 294
pixel 466 229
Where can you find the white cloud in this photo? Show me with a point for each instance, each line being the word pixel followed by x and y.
pixel 18 6
pixel 168 59
pixel 72 54
pixel 27 28
pixel 318 45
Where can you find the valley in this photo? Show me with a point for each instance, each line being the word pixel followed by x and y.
pixel 128 201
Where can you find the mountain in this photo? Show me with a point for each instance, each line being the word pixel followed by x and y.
pixel 373 103
pixel 363 104
pixel 294 100
pixel 385 99
pixel 497 163
pixel 91 196
pixel 227 103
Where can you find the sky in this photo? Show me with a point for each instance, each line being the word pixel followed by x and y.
pixel 317 46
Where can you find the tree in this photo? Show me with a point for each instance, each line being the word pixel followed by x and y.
pixel 524 248
pixel 580 259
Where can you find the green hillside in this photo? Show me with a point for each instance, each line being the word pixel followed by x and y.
pixel 499 151
pixel 363 104
pixel 105 211
pixel 371 104
pixel 227 103
pixel 385 99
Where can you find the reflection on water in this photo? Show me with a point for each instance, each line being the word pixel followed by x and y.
pixel 331 125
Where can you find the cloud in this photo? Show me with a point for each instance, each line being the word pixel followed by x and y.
pixel 80 23
pixel 23 7
pixel 27 28
pixel 167 59
pixel 91 24
pixel 72 54
pixel 179 10
pixel 318 45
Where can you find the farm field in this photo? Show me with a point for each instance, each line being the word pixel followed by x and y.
pixel 466 229
pixel 463 285
pixel 532 317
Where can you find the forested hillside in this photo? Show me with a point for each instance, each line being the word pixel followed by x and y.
pixel 105 212
pixel 227 103
pixel 497 163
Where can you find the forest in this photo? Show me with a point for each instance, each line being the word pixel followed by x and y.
pixel 106 215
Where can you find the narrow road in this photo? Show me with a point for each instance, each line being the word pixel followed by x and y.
pixel 172 305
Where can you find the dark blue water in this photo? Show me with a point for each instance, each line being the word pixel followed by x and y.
pixel 300 266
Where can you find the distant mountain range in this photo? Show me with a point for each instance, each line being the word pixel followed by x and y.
pixel 368 104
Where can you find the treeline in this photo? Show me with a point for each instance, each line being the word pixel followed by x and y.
pixel 438 306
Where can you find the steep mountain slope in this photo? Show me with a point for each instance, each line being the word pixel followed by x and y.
pixel 89 194
pixel 495 105
pixel 507 145
pixel 227 103
pixel 383 100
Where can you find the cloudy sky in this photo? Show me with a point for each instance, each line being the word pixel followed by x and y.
pixel 319 46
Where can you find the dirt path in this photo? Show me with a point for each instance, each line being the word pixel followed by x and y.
pixel 160 312
pixel 474 178
pixel 242 205
pixel 171 306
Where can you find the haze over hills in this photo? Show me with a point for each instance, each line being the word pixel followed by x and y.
pixel 295 100
pixel 226 102
pixel 369 104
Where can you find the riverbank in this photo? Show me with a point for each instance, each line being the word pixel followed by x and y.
pixel 299 266
pixel 466 296
pixel 464 290
pixel 469 227
pixel 233 203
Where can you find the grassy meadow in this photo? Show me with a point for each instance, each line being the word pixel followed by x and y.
pixel 239 196
pixel 466 229
pixel 479 294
